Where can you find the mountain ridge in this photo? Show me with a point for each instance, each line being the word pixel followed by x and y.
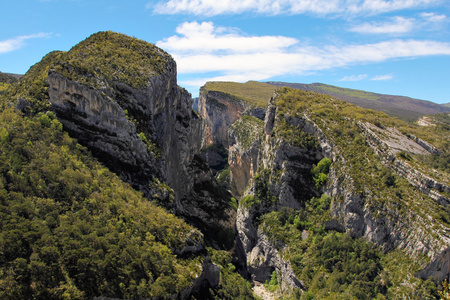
pixel 400 106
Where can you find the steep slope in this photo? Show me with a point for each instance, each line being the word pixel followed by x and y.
pixel 117 96
pixel 405 108
pixel 322 174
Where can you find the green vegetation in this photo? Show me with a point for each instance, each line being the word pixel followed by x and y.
pixel 249 201
pixel 32 86
pixel 113 57
pixel 71 229
pixel 272 284
pixel 4 87
pixel 371 179
pixel 320 172
pixel 253 92
pixel 445 293
pixel 405 108
pixel 231 285
pixel 333 265
pixel 295 136
pixel 6 80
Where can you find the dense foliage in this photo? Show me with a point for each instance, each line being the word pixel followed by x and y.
pixel 333 265
pixel 71 229
pixel 6 80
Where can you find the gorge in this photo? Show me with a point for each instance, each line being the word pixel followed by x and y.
pixel 311 195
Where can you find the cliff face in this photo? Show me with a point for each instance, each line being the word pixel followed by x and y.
pixel 219 111
pixel 97 119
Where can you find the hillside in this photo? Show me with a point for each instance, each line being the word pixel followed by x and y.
pixel 405 108
pixel 321 184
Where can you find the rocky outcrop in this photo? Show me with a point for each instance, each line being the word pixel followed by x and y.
pixel 102 119
pixel 245 137
pixel 387 143
pixel 100 123
pixel 286 182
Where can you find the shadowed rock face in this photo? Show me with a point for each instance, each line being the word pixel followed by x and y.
pixel 219 112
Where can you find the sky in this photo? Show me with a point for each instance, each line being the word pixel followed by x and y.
pixel 398 47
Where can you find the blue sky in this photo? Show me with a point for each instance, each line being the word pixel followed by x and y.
pixel 399 47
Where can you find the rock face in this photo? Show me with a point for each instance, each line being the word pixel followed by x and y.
pixel 388 142
pixel 98 121
pixel 219 111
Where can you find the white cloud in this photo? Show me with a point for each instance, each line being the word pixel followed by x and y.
pixel 397 25
pixel 18 42
pixel 323 7
pixel 432 17
pixel 203 49
pixel 205 38
pixel 383 77
pixel 354 77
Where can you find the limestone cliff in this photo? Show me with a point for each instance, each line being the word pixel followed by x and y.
pixel 141 126
pixel 219 111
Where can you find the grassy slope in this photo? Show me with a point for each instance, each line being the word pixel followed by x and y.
pixel 403 107
pixel 256 93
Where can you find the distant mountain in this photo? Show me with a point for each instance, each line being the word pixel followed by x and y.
pixel 446 104
pixel 405 108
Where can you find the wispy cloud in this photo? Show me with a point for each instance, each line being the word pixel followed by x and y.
pixel 201 49
pixel 432 17
pixel 354 77
pixel 383 77
pixel 395 25
pixel 18 42
pixel 274 7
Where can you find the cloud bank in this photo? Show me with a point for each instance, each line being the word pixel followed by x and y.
pixel 205 53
